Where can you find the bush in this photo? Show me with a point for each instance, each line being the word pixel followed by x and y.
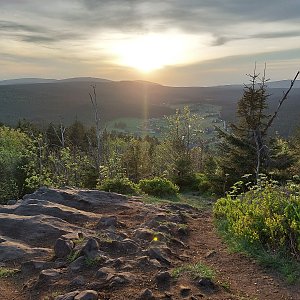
pixel 203 184
pixel 119 185
pixel 267 214
pixel 158 187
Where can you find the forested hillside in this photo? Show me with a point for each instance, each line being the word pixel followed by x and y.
pixel 65 101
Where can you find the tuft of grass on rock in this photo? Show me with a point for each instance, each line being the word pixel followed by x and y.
pixel 7 272
pixel 194 271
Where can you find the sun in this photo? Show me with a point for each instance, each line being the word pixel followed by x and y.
pixel 147 53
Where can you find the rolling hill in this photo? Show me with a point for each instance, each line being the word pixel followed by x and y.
pixel 43 101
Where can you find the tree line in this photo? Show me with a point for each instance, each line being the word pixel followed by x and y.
pixel 83 157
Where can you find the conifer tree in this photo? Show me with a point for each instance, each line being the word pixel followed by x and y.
pixel 246 148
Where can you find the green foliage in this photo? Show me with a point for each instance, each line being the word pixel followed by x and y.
pixel 194 271
pixel 119 185
pixel 6 272
pixel 158 187
pixel 266 215
pixel 13 145
pixel 246 148
pixel 73 255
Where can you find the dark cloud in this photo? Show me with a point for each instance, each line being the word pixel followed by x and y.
pixel 36 34
pixel 193 16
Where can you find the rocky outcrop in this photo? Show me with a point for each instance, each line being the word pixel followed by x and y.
pixel 83 242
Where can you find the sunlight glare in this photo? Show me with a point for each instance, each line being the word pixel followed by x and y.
pixel 154 51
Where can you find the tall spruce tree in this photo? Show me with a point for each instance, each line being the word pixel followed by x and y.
pixel 246 148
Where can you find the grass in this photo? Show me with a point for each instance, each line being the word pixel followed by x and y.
pixel 193 199
pixel 91 262
pixel 194 271
pixel 73 256
pixel 6 272
pixel 287 267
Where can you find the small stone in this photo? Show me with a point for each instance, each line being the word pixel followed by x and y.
pixel 121 279
pixel 182 231
pixel 87 295
pixel 210 253
pixel 90 249
pixel 144 234
pixel 63 248
pixel 104 272
pixel 78 281
pixel 146 295
pixel 157 254
pixel 49 274
pixel 206 283
pixel 77 264
pixel 68 296
pixel 163 279
pixel 34 265
pixel 185 291
pixel 107 222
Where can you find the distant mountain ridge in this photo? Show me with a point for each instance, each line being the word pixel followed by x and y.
pixel 68 99
pixel 45 80
pixel 272 84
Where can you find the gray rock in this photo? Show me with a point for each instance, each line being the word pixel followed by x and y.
pixel 206 284
pixel 83 200
pixel 146 295
pixel 90 249
pixel 11 250
pixel 77 264
pixel 34 265
pixel 39 230
pixel 121 279
pixel 104 272
pixel 144 234
pixel 48 276
pixel 184 291
pixel 78 281
pixel 144 262
pixel 163 278
pixel 126 246
pixel 157 254
pixel 68 296
pixel 63 248
pixel 164 228
pixel 107 222
pixel 87 295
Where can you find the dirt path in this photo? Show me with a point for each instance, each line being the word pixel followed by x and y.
pixel 245 278
pixel 9 289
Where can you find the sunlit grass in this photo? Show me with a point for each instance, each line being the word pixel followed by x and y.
pixel 195 200
pixel 194 271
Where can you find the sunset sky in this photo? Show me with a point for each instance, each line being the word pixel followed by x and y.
pixel 173 42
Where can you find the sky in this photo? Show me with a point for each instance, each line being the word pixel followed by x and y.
pixel 172 42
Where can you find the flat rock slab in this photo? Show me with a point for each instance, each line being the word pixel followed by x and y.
pixel 80 199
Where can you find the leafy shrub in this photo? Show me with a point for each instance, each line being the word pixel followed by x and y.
pixel 158 187
pixel 203 184
pixel 13 145
pixel 267 214
pixel 119 185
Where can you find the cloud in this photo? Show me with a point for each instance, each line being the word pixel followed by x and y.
pixel 78 28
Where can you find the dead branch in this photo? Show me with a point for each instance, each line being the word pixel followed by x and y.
pixel 280 103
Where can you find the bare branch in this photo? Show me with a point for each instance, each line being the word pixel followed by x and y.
pixel 280 104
